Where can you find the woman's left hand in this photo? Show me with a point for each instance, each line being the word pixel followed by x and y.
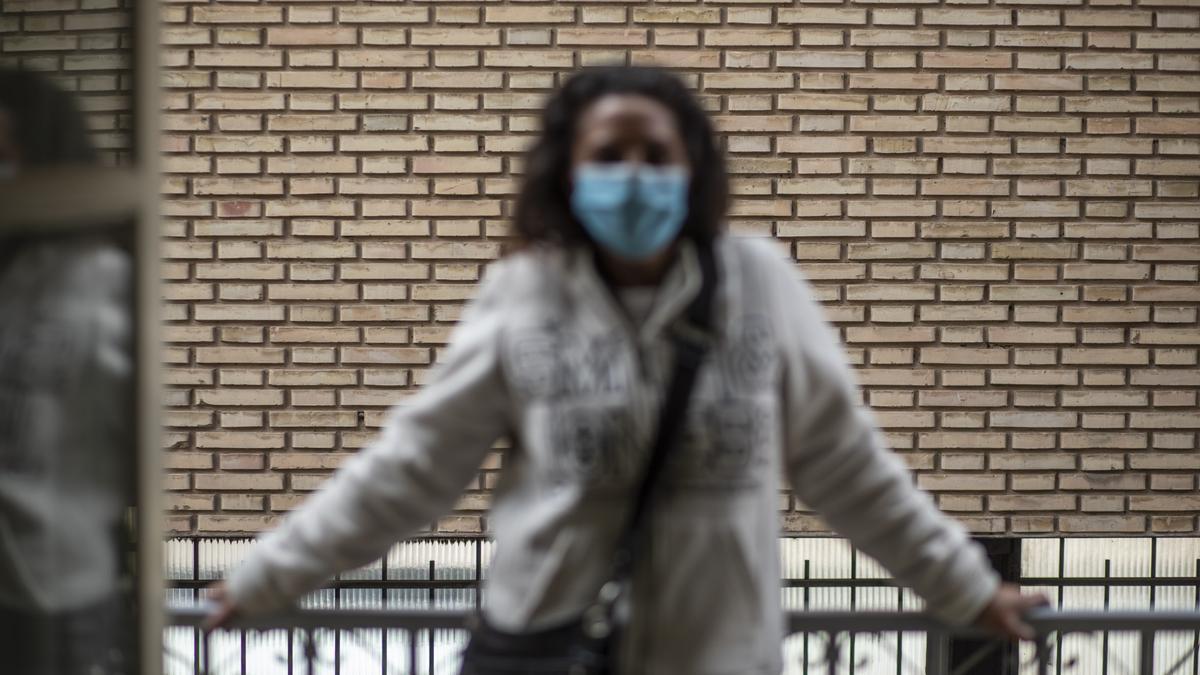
pixel 1004 615
pixel 224 609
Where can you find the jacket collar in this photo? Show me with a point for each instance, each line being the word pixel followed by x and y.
pixel 675 291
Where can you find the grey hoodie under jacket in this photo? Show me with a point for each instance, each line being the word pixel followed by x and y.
pixel 545 356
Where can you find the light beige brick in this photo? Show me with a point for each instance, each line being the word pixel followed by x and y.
pixel 821 15
pixel 677 15
pixel 383 14
pixel 894 38
pixel 307 36
pixel 233 14
pixel 529 15
pixel 238 481
pixel 444 37
pixel 1031 502
pixel 968 482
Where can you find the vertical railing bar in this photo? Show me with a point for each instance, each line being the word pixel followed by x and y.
pixel 242 646
pixel 1042 652
pixel 1146 657
pixel 899 634
pixel 412 651
pixel 478 578
pixel 1105 634
pixel 478 574
pixel 806 608
pixel 1153 571
pixel 310 650
pixel 432 604
pixel 853 602
pixel 196 637
pixel 383 602
pixel 337 633
pixel 831 653
pixel 1153 597
pixel 1196 634
pixel 1062 573
pixel 291 642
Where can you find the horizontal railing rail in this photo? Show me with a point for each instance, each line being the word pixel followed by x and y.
pixel 866 621
pixel 334 619
pixel 1072 582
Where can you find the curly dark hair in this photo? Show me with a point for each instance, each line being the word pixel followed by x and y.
pixel 543 213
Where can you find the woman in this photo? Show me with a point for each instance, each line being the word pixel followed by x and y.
pixel 566 350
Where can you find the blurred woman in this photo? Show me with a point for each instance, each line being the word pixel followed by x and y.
pixel 567 350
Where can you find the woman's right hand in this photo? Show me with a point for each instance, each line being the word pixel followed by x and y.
pixel 224 608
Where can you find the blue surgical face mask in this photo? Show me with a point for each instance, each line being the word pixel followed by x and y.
pixel 632 210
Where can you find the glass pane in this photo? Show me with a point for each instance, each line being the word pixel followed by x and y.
pixel 68 461
pixel 86 50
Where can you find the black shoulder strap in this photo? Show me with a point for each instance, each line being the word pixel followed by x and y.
pixel 690 339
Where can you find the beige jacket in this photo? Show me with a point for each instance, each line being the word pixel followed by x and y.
pixel 546 355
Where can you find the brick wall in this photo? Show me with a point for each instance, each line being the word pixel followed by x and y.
pixel 998 203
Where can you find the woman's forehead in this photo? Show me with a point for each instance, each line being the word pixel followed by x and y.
pixel 623 114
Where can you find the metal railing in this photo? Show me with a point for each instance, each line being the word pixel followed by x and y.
pixel 305 627
pixel 405 616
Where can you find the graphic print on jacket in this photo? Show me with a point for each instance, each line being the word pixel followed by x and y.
pixel 599 414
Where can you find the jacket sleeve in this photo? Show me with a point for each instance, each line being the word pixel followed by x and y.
pixel 430 448
pixel 837 463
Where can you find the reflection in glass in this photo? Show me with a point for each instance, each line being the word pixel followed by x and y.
pixel 67 463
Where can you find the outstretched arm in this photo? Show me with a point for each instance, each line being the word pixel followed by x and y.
pixel 429 450
pixel 838 464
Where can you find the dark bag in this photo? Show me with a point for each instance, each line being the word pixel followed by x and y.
pixel 587 644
